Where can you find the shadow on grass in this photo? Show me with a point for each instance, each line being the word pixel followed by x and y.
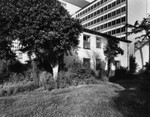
pixel 133 101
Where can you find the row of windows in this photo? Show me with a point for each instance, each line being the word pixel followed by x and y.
pixel 86 42
pixel 105 17
pixel 116 31
pixel 98 4
pixel 91 8
pixel 111 23
pixel 100 11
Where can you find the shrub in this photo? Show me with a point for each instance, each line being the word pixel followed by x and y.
pixel 133 64
pixel 4 71
pixel 122 74
pixel 14 88
pixel 77 74
pixel 47 81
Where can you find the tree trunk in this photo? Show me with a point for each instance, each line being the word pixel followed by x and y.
pixel 149 49
pixel 55 71
pixel 34 72
pixel 109 68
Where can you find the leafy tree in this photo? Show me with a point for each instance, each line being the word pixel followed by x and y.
pixel 138 27
pixel 112 50
pixel 43 27
pixel 133 64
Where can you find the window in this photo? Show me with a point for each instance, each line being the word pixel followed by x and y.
pixel 105 8
pixel 109 33
pixel 86 61
pixel 109 15
pixel 102 18
pixel 113 4
pixel 98 42
pixel 98 64
pixel 117 64
pixel 123 19
pixel 109 24
pixel 109 6
pixel 86 41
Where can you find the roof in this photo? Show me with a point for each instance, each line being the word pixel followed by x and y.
pixel 86 6
pixel 79 3
pixel 105 35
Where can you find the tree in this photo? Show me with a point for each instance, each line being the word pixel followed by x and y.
pixel 138 27
pixel 112 50
pixel 43 27
pixel 133 65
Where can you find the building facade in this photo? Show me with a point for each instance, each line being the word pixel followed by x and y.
pixel 91 49
pixel 110 17
pixel 73 6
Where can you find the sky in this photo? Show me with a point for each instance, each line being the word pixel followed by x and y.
pixel 89 0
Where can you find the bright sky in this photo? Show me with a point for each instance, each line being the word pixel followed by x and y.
pixel 89 0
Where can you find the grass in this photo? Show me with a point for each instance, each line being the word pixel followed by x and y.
pixel 100 100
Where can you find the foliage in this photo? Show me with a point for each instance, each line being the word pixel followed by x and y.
pixel 4 71
pixel 77 74
pixel 133 65
pixel 138 27
pixel 14 88
pixel 147 66
pixel 144 86
pixel 122 74
pixel 47 81
pixel 112 50
pixel 43 27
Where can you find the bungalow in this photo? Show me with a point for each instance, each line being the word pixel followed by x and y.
pixel 91 50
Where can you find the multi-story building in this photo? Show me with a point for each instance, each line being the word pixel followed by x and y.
pixel 110 17
pixel 73 5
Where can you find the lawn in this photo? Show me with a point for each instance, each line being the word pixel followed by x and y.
pixel 101 100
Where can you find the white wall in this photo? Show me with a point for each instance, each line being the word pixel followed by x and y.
pixel 123 58
pixel 94 52
pixel 91 53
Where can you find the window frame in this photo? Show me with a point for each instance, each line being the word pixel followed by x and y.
pixel 86 44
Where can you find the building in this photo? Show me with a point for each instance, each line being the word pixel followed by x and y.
pixel 22 57
pixel 91 49
pixel 110 17
pixel 73 5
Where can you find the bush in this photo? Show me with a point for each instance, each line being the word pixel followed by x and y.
pixel 77 74
pixel 4 71
pixel 122 74
pixel 133 64
pixel 14 88
pixel 145 83
pixel 47 81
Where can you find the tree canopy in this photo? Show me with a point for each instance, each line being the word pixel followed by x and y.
pixel 112 50
pixel 43 27
pixel 138 27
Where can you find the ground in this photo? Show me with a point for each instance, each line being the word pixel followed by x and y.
pixel 101 100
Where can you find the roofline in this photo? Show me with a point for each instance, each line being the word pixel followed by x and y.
pixel 105 35
pixel 84 7
pixel 77 5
